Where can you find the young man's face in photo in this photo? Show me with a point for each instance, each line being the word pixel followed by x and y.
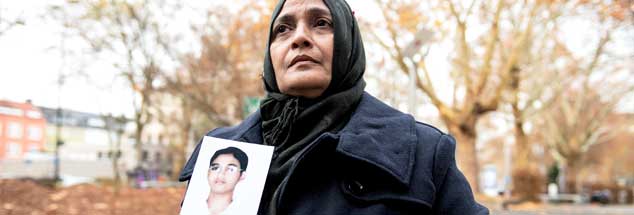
pixel 224 174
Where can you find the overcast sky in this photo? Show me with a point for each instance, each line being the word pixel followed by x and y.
pixel 30 62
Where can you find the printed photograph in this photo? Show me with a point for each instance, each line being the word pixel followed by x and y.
pixel 228 178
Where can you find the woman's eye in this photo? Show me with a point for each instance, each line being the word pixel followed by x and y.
pixel 322 23
pixel 281 29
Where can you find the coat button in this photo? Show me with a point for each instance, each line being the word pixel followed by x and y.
pixel 355 187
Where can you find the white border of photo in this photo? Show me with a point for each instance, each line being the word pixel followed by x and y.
pixel 247 193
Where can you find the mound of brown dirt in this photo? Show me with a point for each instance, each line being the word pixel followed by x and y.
pixel 29 197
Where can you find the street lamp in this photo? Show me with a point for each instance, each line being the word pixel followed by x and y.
pixel 422 37
pixel 58 128
pixel 59 118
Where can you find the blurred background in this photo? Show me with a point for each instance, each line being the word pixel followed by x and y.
pixel 102 101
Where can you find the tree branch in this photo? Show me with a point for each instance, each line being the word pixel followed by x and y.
pixel 597 53
pixel 485 71
pixel 464 56
pixel 511 63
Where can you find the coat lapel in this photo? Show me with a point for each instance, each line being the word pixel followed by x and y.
pixel 381 136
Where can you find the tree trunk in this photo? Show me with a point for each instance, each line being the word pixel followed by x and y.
pixel 466 154
pixel 523 154
pixel 137 140
pixel 115 163
pixel 141 117
pixel 179 153
pixel 526 177
pixel 572 171
pixel 527 180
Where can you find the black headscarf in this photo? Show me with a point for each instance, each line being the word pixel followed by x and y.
pixel 291 123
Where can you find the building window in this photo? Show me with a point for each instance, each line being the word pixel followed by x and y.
pixel 34 147
pixel 144 155
pixel 158 157
pixel 15 130
pixel 10 111
pixel 33 114
pixel 35 133
pixel 13 150
pixel 96 122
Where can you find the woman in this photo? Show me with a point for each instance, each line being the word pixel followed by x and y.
pixel 338 149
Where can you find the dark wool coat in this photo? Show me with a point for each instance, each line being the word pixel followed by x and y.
pixel 381 162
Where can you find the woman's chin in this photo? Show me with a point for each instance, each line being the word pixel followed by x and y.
pixel 305 91
pixel 309 84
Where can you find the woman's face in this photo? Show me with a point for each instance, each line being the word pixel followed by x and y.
pixel 301 48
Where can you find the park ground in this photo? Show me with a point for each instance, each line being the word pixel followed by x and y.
pixel 29 197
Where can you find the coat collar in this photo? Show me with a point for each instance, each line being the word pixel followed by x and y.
pixel 376 134
pixel 382 136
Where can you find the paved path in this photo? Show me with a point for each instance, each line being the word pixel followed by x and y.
pixel 573 210
pixel 44 169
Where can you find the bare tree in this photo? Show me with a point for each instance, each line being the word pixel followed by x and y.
pixel 213 83
pixel 579 118
pixel 576 123
pixel 540 83
pixel 494 46
pixel 130 34
pixel 481 63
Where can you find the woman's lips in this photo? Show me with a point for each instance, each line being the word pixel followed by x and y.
pixel 302 59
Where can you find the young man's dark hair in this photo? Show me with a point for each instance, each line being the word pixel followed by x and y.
pixel 237 153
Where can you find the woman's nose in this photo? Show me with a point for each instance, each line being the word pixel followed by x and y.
pixel 301 37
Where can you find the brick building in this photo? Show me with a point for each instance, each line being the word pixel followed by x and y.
pixel 22 129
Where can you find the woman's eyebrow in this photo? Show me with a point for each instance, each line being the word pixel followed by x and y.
pixel 286 18
pixel 312 12
pixel 318 11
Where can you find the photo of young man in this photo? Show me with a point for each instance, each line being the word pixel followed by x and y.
pixel 226 168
